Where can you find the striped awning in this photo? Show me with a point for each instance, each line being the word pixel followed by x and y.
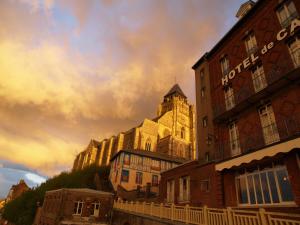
pixel 270 151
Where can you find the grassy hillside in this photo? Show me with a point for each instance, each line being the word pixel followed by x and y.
pixel 21 211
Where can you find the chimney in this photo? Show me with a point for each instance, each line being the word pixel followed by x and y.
pixel 244 9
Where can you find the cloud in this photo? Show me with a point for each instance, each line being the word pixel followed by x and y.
pixel 75 70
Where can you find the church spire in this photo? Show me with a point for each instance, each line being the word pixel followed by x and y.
pixel 175 90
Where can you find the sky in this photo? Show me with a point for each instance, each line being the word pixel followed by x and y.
pixel 73 70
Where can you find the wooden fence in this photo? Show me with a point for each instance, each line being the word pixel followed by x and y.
pixel 209 216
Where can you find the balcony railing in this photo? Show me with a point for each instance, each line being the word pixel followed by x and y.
pixel 286 128
pixel 246 95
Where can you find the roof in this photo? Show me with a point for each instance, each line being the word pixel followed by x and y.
pixel 83 190
pixel 175 90
pixel 155 155
pixel 233 29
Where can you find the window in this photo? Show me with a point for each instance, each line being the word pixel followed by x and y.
pixel 126 159
pixel 78 207
pixel 204 185
pixel 229 98
pixel 170 190
pixel 286 13
pixel 251 45
pixel 268 124
pixel 234 139
pixel 258 77
pixel 182 133
pixel 155 180
pixel 148 145
pixel 139 178
pixel 125 176
pixel 224 66
pixel 96 208
pixel 268 186
pixel 184 188
pixel 294 48
pixel 204 121
pixel 155 164
pixel 203 92
pixel 207 156
pixel 202 77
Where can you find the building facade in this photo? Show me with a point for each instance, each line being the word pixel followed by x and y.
pixel 137 169
pixel 75 206
pixel 253 121
pixel 171 133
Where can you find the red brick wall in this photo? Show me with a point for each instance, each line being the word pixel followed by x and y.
pixel 230 198
pixel 197 173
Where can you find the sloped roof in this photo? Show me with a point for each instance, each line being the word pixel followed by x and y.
pixel 175 90
pixel 155 155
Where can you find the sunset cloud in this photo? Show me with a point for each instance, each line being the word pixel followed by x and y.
pixel 75 70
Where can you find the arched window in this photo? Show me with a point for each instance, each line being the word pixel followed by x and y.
pixel 148 145
pixel 182 133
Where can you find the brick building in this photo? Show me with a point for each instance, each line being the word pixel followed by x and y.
pixel 248 109
pixel 75 206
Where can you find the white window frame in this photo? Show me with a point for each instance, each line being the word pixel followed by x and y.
pixel 225 65
pixel 268 124
pixel 78 208
pixel 258 78
pixel 295 51
pixel 234 140
pixel 184 195
pixel 95 204
pixel 251 44
pixel 229 98
pixel 259 172
pixel 289 16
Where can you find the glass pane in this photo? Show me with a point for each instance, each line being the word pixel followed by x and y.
pixel 258 189
pixel 273 187
pixel 251 190
pixel 242 188
pixel 284 185
pixel 264 184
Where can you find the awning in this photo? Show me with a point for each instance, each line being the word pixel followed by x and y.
pixel 260 154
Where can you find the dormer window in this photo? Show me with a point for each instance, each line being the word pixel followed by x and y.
pixel 286 13
pixel 251 44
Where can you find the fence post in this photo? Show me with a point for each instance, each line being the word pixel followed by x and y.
pixel 205 215
pixel 187 213
pixel 160 210
pixel 172 211
pixel 151 208
pixel 263 216
pixel 229 216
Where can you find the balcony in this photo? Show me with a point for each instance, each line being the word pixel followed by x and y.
pixel 286 128
pixel 277 78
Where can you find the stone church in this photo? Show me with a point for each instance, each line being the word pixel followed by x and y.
pixel 172 133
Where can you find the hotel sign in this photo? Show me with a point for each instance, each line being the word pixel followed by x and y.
pixel 281 35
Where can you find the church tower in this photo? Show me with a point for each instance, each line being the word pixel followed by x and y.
pixel 183 116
